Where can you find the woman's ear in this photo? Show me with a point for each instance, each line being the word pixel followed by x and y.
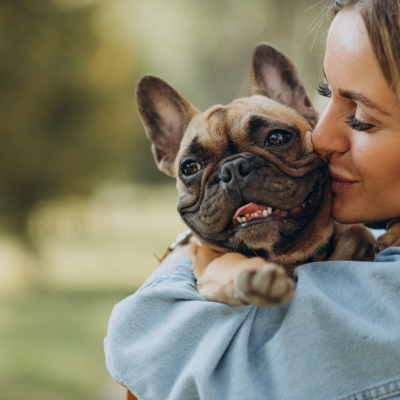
pixel 165 115
pixel 273 75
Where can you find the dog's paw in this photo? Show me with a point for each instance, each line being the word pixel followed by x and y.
pixel 265 286
pixel 390 239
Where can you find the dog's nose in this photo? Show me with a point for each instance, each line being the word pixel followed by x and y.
pixel 239 167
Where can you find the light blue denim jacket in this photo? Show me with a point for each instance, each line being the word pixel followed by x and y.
pixel 338 339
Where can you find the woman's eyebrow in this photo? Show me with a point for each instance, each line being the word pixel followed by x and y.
pixel 356 96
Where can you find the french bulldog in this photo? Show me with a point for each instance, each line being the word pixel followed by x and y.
pixel 251 189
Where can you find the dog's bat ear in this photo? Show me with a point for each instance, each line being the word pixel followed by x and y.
pixel 165 115
pixel 273 75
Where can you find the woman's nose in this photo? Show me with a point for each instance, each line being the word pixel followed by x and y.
pixel 329 135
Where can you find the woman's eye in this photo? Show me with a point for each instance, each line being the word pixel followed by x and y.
pixel 323 89
pixel 278 138
pixel 357 125
pixel 190 167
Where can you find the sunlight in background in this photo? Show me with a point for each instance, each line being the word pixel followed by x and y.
pixel 109 241
pixel 201 48
pixel 190 43
pixel 83 209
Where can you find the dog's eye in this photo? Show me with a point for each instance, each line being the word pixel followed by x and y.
pixel 190 168
pixel 278 138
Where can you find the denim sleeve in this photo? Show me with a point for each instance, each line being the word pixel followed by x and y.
pixel 338 339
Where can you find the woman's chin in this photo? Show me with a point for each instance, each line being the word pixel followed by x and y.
pixel 345 220
pixel 347 213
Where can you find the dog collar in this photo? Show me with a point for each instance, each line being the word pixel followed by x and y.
pixel 183 238
pixel 321 253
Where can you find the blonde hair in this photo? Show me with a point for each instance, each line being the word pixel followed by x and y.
pixel 382 21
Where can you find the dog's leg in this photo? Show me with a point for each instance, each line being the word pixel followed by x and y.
pixel 352 242
pixel 235 279
pixel 392 237
pixel 264 286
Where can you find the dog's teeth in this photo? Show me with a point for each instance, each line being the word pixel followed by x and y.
pixel 244 218
pixel 269 210
pixel 238 219
pixel 265 213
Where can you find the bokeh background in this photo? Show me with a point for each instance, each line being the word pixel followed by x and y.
pixel 82 206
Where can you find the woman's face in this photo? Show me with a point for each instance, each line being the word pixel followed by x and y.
pixel 359 130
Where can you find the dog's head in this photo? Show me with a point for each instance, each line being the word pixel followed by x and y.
pixel 247 176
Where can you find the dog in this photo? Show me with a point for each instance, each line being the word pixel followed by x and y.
pixel 251 189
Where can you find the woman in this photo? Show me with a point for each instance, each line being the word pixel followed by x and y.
pixel 359 130
pixel 340 336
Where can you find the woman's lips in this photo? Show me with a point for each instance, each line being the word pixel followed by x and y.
pixel 339 182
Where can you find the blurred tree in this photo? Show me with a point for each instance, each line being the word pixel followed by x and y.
pixel 203 47
pixel 68 71
pixel 66 101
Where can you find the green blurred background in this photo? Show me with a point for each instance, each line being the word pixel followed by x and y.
pixel 82 206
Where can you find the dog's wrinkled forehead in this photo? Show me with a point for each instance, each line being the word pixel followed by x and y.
pixel 229 128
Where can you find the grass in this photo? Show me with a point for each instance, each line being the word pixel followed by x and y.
pixel 55 304
pixel 51 345
pixel 109 241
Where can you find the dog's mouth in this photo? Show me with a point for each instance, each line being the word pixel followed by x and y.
pixel 253 213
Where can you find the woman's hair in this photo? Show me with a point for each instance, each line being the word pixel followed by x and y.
pixel 382 21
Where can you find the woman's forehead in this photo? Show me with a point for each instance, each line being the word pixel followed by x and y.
pixel 350 63
pixel 348 38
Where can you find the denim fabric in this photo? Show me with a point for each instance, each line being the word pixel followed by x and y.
pixel 338 339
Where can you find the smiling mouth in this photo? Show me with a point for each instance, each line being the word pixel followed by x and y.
pixel 257 213
pixel 337 186
pixel 252 213
pixel 335 176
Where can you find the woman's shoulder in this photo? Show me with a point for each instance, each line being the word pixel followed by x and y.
pixel 344 314
pixel 385 264
pixel 353 279
pixel 391 254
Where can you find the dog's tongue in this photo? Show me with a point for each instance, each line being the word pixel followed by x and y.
pixel 250 208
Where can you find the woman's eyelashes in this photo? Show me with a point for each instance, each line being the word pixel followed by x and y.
pixel 352 121
pixel 357 125
pixel 323 89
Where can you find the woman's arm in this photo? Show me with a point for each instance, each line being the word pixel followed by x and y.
pixel 166 341
pixel 339 336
